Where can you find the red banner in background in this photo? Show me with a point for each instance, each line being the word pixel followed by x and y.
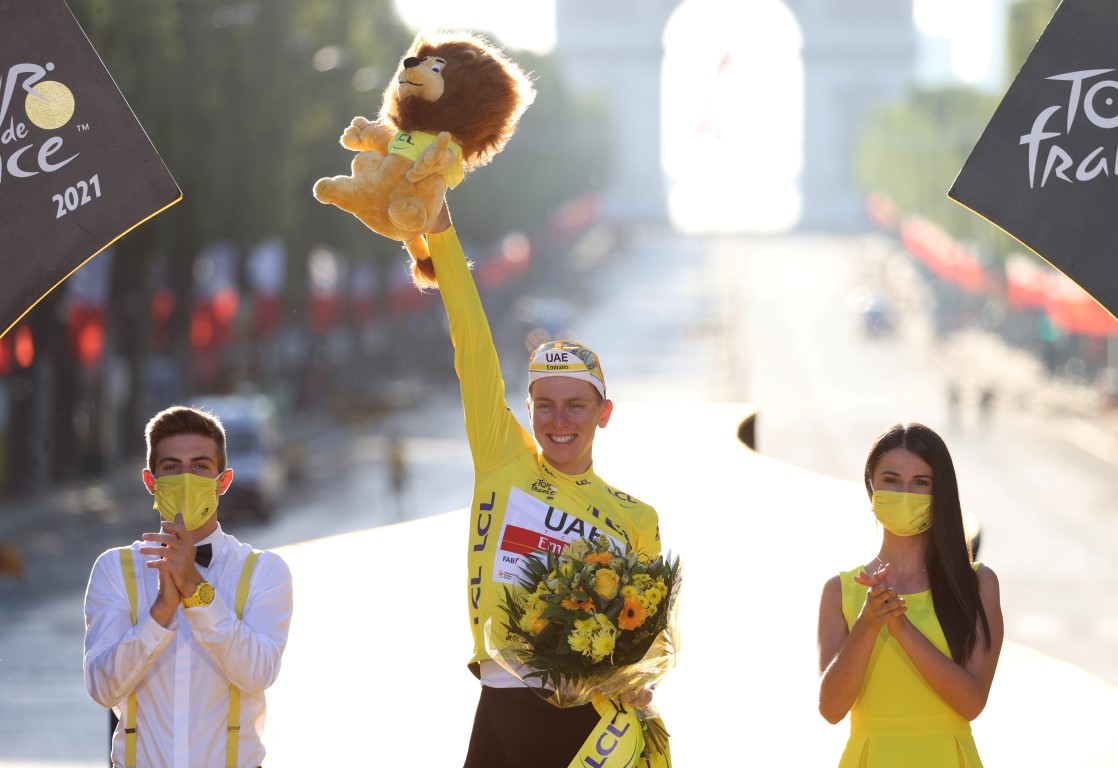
pixel 77 170
pixel 940 253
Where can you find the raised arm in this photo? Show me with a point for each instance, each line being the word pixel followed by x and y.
pixel 492 430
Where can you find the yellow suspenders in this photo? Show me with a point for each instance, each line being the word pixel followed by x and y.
pixel 233 735
pixel 130 720
pixel 233 732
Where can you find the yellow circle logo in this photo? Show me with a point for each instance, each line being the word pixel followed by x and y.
pixel 49 105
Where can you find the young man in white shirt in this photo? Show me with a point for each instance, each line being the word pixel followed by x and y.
pixel 185 628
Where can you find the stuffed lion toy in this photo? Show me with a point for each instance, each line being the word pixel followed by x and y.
pixel 454 104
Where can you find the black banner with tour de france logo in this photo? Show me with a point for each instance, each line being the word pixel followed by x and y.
pixel 1046 168
pixel 77 171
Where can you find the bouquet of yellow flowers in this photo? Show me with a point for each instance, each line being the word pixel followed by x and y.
pixel 593 621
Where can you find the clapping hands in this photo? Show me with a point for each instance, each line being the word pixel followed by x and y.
pixel 883 605
pixel 178 575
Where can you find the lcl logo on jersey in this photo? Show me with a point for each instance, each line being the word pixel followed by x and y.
pixel 624 498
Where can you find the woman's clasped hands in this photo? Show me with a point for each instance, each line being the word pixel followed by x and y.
pixel 883 605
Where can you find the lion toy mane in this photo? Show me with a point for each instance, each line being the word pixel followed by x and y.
pixel 454 104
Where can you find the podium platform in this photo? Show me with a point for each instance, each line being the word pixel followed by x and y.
pixel 375 672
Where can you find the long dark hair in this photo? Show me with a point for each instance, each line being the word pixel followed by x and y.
pixel 948 558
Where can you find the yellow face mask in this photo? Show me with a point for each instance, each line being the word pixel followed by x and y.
pixel 192 495
pixel 903 514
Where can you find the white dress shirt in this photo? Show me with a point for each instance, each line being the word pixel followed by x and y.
pixel 182 672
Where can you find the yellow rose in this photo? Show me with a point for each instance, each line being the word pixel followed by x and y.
pixel 606 583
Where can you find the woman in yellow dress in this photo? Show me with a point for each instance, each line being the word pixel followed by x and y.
pixel 908 643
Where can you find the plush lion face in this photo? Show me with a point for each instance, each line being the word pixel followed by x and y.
pixel 461 84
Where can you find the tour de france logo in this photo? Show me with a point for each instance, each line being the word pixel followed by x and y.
pixel 49 105
pixel 1089 102
pixel 32 144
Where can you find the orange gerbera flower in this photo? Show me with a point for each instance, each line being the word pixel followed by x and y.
pixel 632 614
pixel 577 605
pixel 538 625
pixel 599 558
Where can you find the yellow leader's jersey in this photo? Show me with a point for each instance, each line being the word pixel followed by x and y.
pixel 521 504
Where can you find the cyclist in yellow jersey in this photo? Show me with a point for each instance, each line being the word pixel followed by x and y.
pixel 533 492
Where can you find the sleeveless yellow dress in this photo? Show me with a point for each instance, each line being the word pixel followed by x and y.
pixel 898 721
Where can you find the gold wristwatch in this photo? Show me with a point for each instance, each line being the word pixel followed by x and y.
pixel 203 595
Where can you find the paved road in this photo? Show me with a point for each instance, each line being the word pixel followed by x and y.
pixel 771 321
pixel 1037 473
pixel 1040 471
pixel 676 320
pixel 347 489
pixel 747 526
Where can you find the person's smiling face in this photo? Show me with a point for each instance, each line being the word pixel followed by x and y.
pixel 565 414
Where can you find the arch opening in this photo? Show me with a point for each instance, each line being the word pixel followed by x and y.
pixel 732 116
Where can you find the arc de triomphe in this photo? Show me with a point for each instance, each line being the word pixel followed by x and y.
pixel 856 54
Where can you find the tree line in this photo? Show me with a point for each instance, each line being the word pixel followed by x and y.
pixel 245 102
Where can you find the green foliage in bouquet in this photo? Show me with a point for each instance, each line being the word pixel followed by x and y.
pixel 589 609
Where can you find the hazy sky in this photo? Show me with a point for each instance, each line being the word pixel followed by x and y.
pixel 754 36
pixel 972 27
pixel 525 24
